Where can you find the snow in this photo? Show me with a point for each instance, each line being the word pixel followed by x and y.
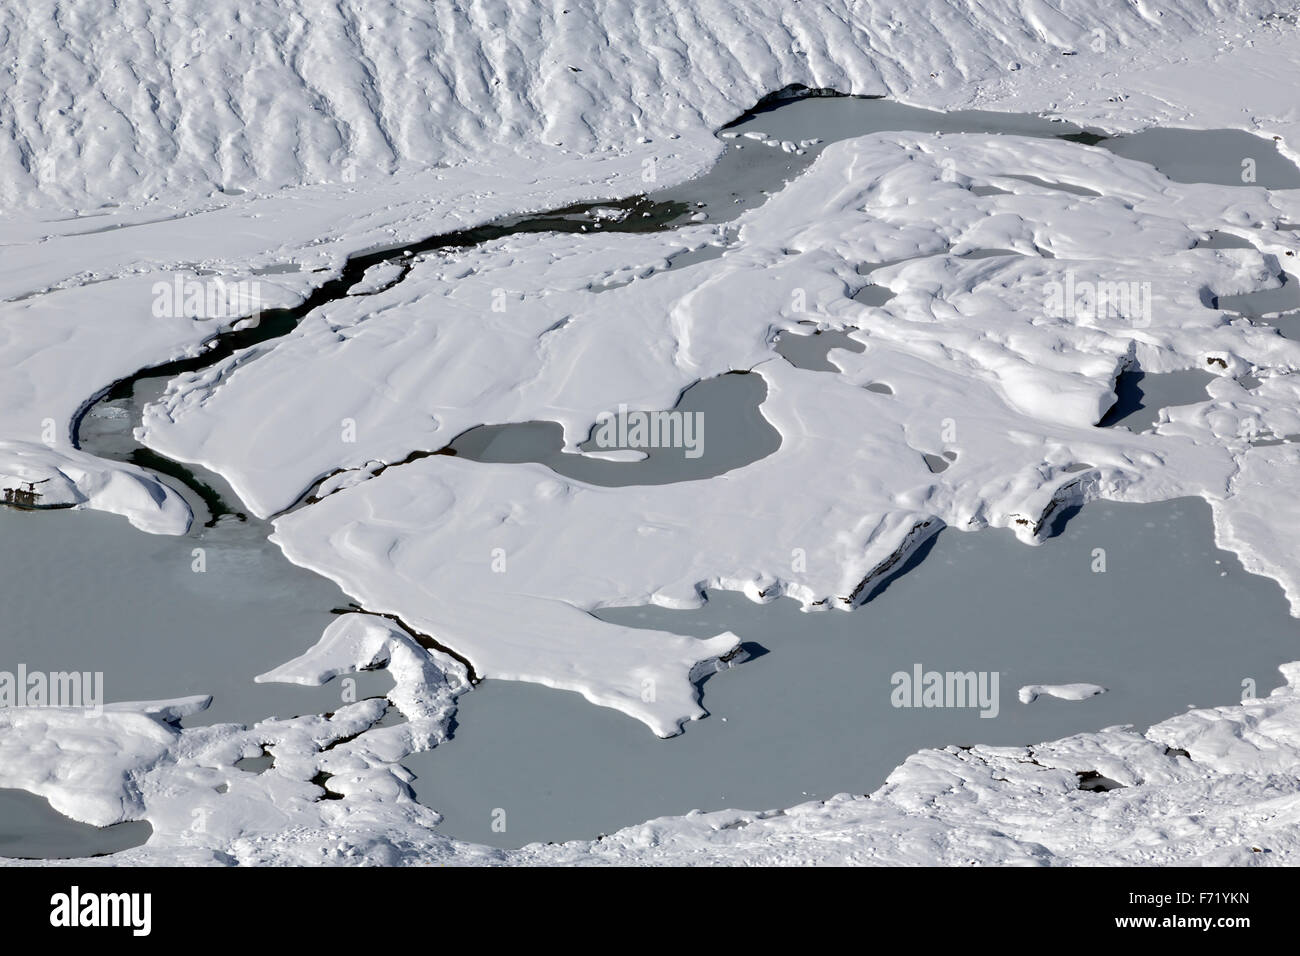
pixel 1208 787
pixel 412 382
pixel 1031 692
pixel 52 477
pixel 975 365
pixel 190 98
pixel 426 681
pixel 376 278
pixel 218 138
pixel 189 186
pixel 617 454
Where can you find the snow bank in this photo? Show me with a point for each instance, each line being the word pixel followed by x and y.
pixel 38 476
pixel 185 98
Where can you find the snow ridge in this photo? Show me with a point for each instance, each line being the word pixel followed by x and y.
pixel 124 103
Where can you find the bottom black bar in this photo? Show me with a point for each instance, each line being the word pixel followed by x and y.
pixel 356 904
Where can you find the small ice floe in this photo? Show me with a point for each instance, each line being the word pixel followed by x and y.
pixel 115 412
pixel 1031 692
pixel 617 454
pixel 377 278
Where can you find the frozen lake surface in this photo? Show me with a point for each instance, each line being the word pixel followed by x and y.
pixel 84 591
pixel 31 829
pixel 810 715
pixel 730 426
pixel 750 168
pixel 1140 396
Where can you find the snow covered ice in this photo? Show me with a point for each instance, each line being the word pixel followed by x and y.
pixel 945 282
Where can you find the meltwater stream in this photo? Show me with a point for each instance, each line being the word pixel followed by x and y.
pixel 804 716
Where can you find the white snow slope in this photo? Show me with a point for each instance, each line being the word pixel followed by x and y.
pixel 101 103
pixel 165 139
